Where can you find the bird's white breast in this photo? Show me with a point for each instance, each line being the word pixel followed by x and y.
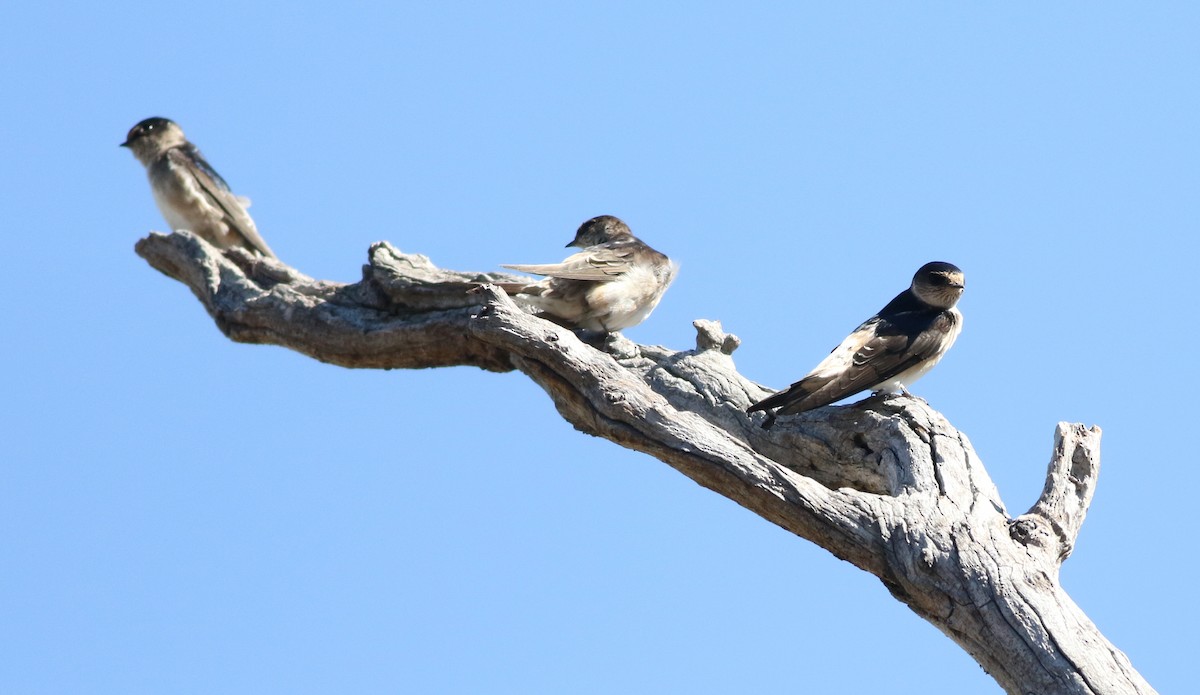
pixel 628 300
pixel 181 201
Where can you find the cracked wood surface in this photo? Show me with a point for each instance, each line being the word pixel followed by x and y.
pixel 886 484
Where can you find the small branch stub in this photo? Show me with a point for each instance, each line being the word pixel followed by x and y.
pixel 1070 484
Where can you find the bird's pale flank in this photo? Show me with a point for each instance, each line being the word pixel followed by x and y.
pixel 612 284
pixel 889 351
pixel 189 193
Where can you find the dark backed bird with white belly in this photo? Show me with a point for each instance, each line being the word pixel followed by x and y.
pixel 888 352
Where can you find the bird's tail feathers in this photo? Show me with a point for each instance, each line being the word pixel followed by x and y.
pixel 793 394
pixel 536 269
pixel 520 288
pixel 797 398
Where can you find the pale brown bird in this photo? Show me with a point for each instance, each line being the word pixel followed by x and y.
pixel 190 194
pixel 612 284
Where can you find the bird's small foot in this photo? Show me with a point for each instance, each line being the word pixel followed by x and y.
pixel 596 339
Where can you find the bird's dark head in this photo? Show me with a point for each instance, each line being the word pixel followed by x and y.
pixel 600 230
pixel 939 284
pixel 153 136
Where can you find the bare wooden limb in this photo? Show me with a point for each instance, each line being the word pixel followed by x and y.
pixel 1054 521
pixel 886 484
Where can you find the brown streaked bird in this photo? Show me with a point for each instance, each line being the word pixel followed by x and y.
pixel 612 284
pixel 888 352
pixel 190 194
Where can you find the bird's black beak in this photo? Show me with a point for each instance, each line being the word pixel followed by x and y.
pixel 124 144
pixel 570 244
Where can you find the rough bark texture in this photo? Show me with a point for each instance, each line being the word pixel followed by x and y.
pixel 886 484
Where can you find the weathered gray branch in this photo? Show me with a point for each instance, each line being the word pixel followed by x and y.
pixel 1058 514
pixel 888 484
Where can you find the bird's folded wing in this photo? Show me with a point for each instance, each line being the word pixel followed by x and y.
pixel 600 265
pixel 883 353
pixel 218 191
pixel 876 352
pixel 877 361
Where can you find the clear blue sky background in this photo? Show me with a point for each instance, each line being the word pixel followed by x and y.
pixel 182 514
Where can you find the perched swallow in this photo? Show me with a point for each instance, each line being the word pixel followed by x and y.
pixel 190 194
pixel 612 284
pixel 888 352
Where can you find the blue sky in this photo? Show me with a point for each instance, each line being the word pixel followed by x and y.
pixel 182 514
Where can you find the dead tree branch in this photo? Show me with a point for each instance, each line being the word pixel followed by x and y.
pixel 887 484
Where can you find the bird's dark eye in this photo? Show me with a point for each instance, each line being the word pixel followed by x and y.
pixel 939 280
